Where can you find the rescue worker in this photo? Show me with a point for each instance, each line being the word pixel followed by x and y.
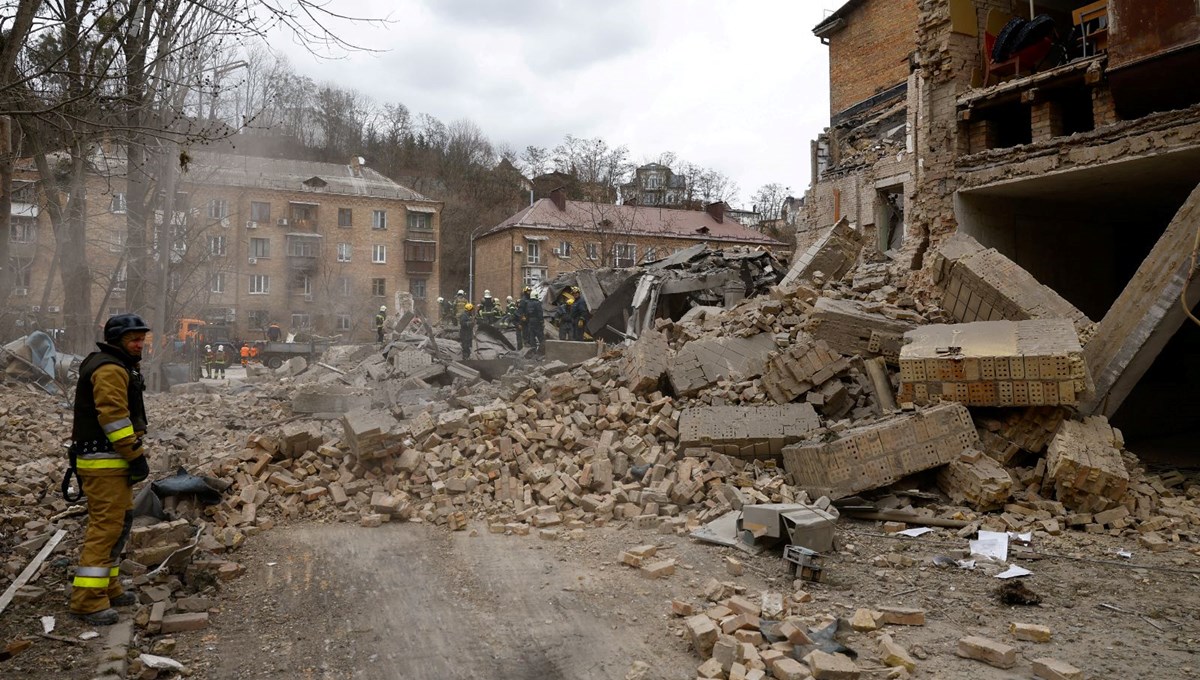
pixel 534 319
pixel 221 360
pixel 445 309
pixel 380 318
pixel 460 302
pixel 466 330
pixel 562 316
pixel 514 318
pixel 209 370
pixel 579 316
pixel 274 333
pixel 245 352
pixel 489 311
pixel 107 455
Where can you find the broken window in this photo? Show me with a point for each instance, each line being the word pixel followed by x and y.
pixel 889 217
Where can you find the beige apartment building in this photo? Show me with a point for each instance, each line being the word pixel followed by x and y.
pixel 556 235
pixel 315 247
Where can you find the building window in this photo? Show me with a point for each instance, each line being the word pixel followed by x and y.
pixel 378 254
pixel 260 212
pixel 653 181
pixel 257 318
pixel 260 284
pixel 218 208
pixel 345 217
pixel 379 219
pixel 302 284
pixel 532 276
pixel 24 269
pixel 260 247
pixel 624 255
pixel 217 282
pixel 216 246
pixel 117 203
pixel 592 250
pixel 343 286
pixel 420 252
pixel 379 287
pixel 121 280
pixel 300 320
pixel 417 288
pixel 299 246
pixel 420 221
pixel 343 252
pixel 23 230
pixel 651 254
pixel 533 252
pixel 563 249
pixel 343 322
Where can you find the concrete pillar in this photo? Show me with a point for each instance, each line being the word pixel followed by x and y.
pixel 1104 110
pixel 1046 120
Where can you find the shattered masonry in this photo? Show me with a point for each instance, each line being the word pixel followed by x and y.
pixel 877 454
pixel 994 363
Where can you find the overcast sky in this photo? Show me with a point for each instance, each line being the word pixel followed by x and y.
pixel 741 87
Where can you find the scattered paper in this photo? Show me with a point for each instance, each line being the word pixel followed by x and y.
pixel 914 532
pixel 1124 553
pixel 992 545
pixel 965 564
pixel 1013 572
pixel 1024 539
pixel 47 624
pixel 89 635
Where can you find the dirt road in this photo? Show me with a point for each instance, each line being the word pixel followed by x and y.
pixel 407 601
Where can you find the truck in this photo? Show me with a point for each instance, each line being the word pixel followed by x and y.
pixel 273 354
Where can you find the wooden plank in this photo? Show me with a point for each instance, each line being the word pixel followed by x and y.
pixel 32 567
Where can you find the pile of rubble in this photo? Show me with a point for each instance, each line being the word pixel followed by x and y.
pixel 830 385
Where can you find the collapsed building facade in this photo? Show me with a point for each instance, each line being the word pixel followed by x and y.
pixel 1080 167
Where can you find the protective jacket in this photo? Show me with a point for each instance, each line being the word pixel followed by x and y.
pixel 110 414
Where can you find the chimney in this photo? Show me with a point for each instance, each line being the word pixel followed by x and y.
pixel 560 198
pixel 356 165
pixel 716 211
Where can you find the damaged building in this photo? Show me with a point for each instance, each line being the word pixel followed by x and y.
pixel 1059 138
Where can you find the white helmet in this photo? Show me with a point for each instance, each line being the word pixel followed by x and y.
pixel 441 299
pixel 508 299
pixel 487 293
pixel 461 292
pixel 208 347
pixel 383 308
pixel 220 348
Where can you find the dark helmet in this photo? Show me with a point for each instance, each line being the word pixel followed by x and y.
pixel 121 324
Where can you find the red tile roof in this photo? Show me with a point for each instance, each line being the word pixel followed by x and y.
pixel 641 220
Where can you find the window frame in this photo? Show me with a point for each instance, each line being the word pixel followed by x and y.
pixel 379 287
pixel 255 212
pixel 264 289
pixel 345 251
pixel 264 241
pixel 378 253
pixel 419 221
pixel 216 283
pixel 218 208
pixel 349 215
pixel 379 220
pixel 213 242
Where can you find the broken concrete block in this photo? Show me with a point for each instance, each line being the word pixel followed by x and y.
pixel 994 363
pixel 981 284
pixel 864 620
pixel 746 431
pixel 829 258
pixel 660 569
pixel 988 651
pixel 789 669
pixel 1052 669
pixel 710 669
pixel 1030 429
pixel 976 479
pixel 702 633
pixel 178 623
pixel 850 328
pixel 902 616
pixel 681 608
pixel 795 633
pixel 826 666
pixel 879 453
pixel 701 363
pixel 734 566
pixel 1029 632
pixel 1084 467
pixel 895 656
pixel 646 362
pixel 801 367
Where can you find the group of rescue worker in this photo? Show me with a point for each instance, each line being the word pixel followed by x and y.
pixel 525 316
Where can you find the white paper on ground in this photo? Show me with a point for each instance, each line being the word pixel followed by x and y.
pixel 966 564
pixel 914 532
pixel 1025 538
pixel 1124 553
pixel 991 544
pixel 1013 572
pixel 47 624
pixel 89 635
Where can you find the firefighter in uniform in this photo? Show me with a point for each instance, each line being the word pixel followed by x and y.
pixel 220 361
pixel 466 330
pixel 380 319
pixel 209 370
pixel 106 452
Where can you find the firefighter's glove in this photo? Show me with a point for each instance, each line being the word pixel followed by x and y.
pixel 139 469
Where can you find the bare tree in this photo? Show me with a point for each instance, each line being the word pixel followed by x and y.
pixel 768 201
